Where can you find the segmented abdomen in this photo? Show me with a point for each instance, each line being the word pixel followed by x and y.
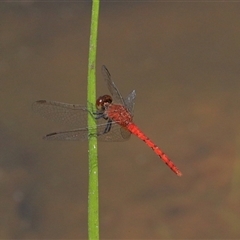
pixel 137 132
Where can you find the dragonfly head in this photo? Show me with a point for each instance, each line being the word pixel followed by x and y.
pixel 103 102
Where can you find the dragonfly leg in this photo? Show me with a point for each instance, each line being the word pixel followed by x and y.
pixel 98 115
pixel 107 128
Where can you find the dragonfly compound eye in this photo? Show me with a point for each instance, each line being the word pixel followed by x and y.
pixel 103 101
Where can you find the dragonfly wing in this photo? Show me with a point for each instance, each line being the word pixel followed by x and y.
pixel 125 133
pixel 72 114
pixel 74 135
pixel 112 87
pixel 130 102
pixel 76 115
pixel 116 134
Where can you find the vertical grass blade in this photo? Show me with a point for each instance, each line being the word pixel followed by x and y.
pixel 93 205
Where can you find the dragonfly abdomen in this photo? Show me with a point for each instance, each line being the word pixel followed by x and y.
pixel 137 132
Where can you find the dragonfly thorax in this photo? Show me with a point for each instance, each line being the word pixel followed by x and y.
pixel 103 102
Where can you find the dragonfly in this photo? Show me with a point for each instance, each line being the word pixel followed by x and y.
pixel 113 114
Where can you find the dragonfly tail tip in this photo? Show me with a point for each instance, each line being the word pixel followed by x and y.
pixel 179 173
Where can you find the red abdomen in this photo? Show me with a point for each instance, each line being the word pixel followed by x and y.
pixel 120 115
pixel 137 132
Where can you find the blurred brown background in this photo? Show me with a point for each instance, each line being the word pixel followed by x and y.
pixel 183 60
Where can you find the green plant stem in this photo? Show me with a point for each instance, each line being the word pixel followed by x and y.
pixel 93 205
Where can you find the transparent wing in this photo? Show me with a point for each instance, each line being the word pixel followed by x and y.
pixel 117 97
pixel 75 116
pixel 72 114
pixel 130 102
pixel 117 134
pixel 73 135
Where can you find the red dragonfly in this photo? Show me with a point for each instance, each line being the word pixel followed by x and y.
pixel 114 120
